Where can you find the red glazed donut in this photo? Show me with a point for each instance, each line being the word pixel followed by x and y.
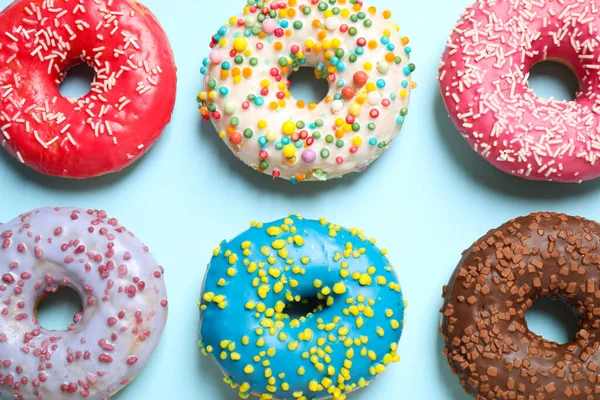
pixel 132 96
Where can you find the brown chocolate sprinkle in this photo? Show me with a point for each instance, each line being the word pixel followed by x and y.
pixel 487 342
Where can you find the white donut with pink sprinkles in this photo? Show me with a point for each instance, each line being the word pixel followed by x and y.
pixel 484 82
pixel 124 305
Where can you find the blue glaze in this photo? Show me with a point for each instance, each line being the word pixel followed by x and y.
pixel 327 259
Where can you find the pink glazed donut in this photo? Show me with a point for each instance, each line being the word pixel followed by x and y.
pixel 484 82
pixel 124 305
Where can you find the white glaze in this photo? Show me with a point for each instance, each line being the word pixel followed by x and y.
pixel 328 110
pixel 50 248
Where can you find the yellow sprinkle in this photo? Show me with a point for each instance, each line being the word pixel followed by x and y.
pixel 365 280
pixel 289 150
pixel 209 296
pixel 240 43
pixel 359 322
pixel 299 240
pixel 249 369
pixel 231 271
pixel 278 244
pixel 274 272
pixel 289 127
pixel 283 253
pixel 219 299
pixel 339 288
pixel 274 231
pixel 263 291
pixel 278 287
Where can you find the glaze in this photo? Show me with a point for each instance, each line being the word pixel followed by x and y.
pixel 355 48
pixel 256 280
pixel 484 83
pixel 121 289
pixel 488 344
pixel 131 99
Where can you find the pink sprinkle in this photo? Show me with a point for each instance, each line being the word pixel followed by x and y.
pixel 269 26
pixel 216 57
pixel 105 358
pixel 131 290
pixel 132 360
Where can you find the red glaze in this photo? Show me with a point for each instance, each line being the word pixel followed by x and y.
pixel 131 100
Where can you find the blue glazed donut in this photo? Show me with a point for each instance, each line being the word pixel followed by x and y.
pixel 300 309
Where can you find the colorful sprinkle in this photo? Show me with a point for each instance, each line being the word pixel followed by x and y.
pixel 352 47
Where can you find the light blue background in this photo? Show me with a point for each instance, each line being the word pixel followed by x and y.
pixel 427 199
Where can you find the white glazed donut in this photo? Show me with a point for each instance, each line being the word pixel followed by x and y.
pixel 355 48
pixel 124 305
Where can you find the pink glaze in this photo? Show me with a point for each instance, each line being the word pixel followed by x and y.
pixel 124 305
pixel 484 82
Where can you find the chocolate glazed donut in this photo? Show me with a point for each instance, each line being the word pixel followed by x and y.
pixel 487 342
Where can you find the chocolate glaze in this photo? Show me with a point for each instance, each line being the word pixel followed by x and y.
pixel 487 342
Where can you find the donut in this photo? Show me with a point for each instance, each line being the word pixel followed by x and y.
pixel 300 309
pixel 121 289
pixel 352 47
pixel 130 101
pixel 487 341
pixel 484 75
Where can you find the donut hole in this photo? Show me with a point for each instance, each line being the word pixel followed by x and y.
pixel 553 320
pixel 304 307
pixel 306 87
pixel 554 79
pixel 78 81
pixel 58 310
